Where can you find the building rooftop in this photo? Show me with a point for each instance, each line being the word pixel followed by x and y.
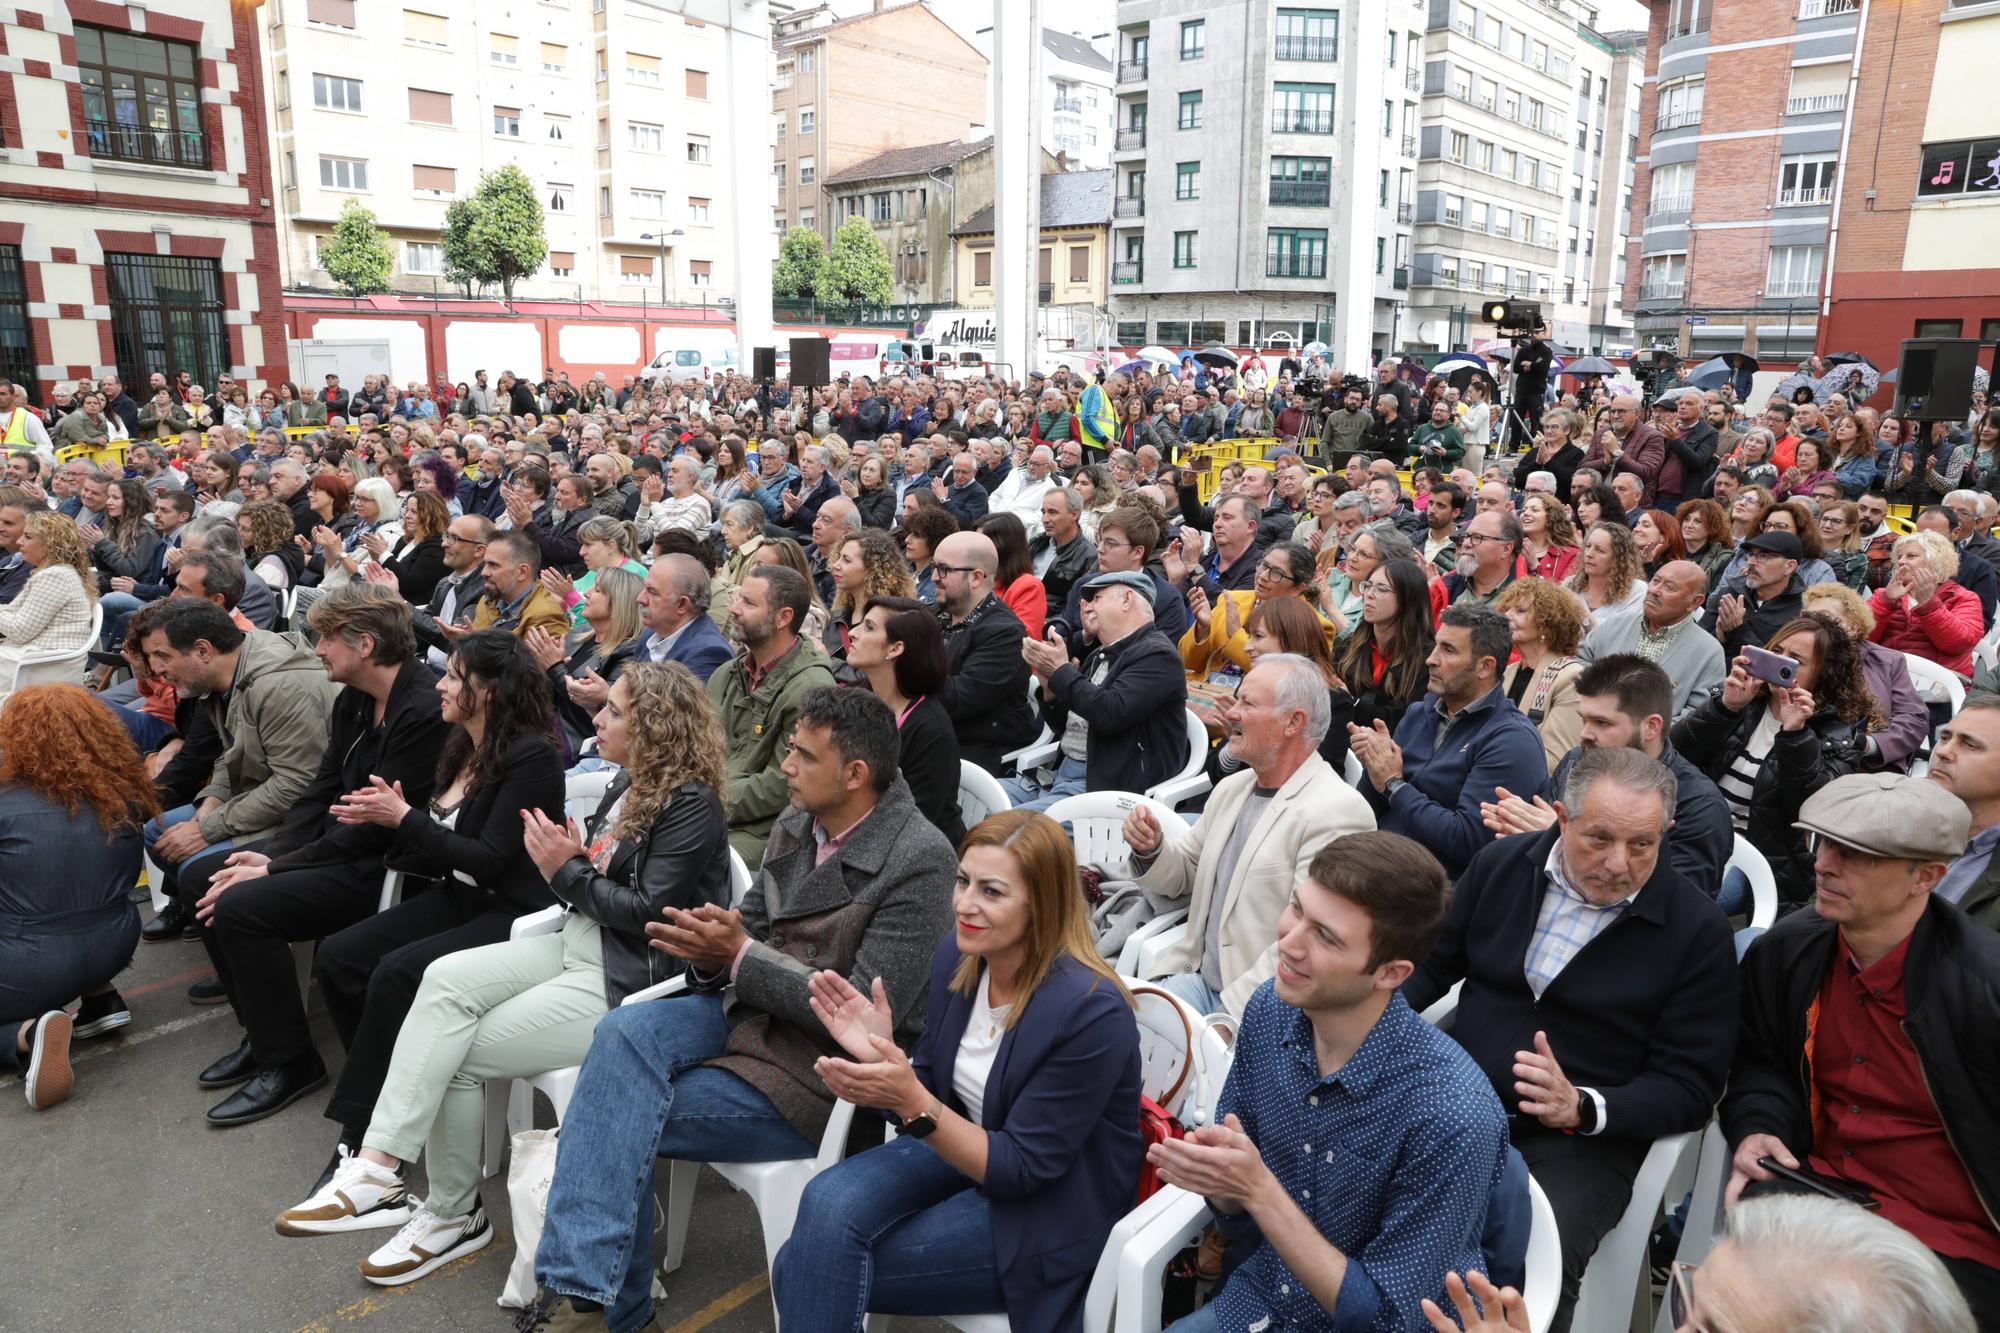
pixel 1069 199
pixel 908 161
pixel 1068 46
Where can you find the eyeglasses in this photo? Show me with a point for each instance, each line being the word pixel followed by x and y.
pixel 1270 571
pixel 1478 538
pixel 939 568
pixel 453 539
pixel 1680 1297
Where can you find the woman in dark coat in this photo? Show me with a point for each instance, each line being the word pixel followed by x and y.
pixel 899 647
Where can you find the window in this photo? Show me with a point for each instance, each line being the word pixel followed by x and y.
pixel 166 310
pixel 806 220
pixel 982 268
pixel 1938 328
pixel 430 108
pixel 1190 117
pixel 807 59
pixel 1207 331
pixel 558 126
pixel 1989 330
pixel 1131 332
pixel 1680 105
pixel 700 273
pixel 1673 188
pixel 333 13
pixel 1174 332
pixel 425 29
pixel 698 148
pixel 1454 210
pixel 808 171
pixel 343 173
pixel 604 201
pixel 1457 144
pixel 642 69
pixel 697 85
pixel 635 269
pixel 1302 108
pixel 1187 180
pixel 555 58
pixel 17 349
pixel 1079 263
pixel 561 196
pixel 1194 39
pixel 1662 277
pixel 1183 249
pixel 878 207
pixel 1294 253
pixel 1308 34
pixel 1301 182
pixel 561 263
pixel 1805 180
pixel 698 210
pixel 1817 89
pixel 333 93
pixel 434 180
pixel 423 258
pixel 505 51
pixel 1795 270
pixel 507 121
pixel 778 174
pixel 646 138
pixel 141 100
pixel 807 117
pixel 649 203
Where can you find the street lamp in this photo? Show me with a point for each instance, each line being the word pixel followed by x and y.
pixel 662 237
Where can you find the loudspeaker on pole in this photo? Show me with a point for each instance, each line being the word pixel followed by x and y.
pixel 811 363
pixel 763 363
pixel 1934 378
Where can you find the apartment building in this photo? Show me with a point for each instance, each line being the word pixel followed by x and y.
pixel 616 109
pixel 136 232
pixel 1265 167
pixel 848 89
pixel 1617 60
pixel 1744 125
pixel 1076 100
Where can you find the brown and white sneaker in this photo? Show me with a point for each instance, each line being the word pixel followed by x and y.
pixel 358 1196
pixel 427 1243
pixel 50 1079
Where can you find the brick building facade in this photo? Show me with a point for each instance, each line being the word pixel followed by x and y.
pixel 137 231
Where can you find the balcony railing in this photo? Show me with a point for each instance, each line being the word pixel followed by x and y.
pixel 1664 204
pixel 1792 287
pixel 1129 206
pixel 1301 194
pixel 1405 213
pixel 1295 266
pixel 1677 120
pixel 1069 104
pixel 1799 198
pixel 1463 27
pixel 1662 289
pixel 1816 104
pixel 138 143
pixel 1131 140
pixel 1131 71
pixel 1400 279
pixel 1308 48
pixel 1294 121
pixel 1819 9
pixel 1130 270
pixel 1409 145
pixel 1413 78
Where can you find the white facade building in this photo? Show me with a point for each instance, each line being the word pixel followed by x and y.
pixel 616 109
pixel 1077 101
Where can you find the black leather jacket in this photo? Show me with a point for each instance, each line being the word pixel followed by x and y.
pixel 681 860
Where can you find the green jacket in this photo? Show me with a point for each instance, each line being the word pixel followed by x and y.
pixel 273 724
pixel 1447 438
pixel 756 727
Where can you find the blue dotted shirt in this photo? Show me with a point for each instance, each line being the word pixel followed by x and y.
pixel 1393 1157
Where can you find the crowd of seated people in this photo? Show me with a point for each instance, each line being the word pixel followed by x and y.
pixel 1509 744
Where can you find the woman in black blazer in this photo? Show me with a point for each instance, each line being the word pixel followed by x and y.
pixel 1019 1147
pixel 604 643
pixel 899 646
pixel 418 560
pixel 467 875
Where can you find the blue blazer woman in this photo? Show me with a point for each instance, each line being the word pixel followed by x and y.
pixel 1061 1111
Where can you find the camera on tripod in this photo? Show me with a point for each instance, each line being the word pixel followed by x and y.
pixel 1513 319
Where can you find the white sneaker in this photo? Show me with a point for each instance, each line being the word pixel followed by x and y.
pixel 426 1243
pixel 359 1196
pixel 49 1078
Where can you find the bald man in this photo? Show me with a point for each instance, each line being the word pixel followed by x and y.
pixel 962 495
pixel 1666 628
pixel 986 690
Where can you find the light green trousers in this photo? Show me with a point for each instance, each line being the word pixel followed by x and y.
pixel 500 1011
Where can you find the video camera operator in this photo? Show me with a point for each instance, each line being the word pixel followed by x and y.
pixel 1532 361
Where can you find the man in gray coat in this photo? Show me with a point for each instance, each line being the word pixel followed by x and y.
pixel 854 879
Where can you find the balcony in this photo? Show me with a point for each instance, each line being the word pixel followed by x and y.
pixel 1817 104
pixel 1130 271
pixel 1409 145
pixel 1307 48
pixel 1301 194
pixel 1295 266
pixel 1662 289
pixel 1073 104
pixel 1785 289
pixel 1131 71
pixel 139 143
pixel 1463 27
pixel 1405 213
pixel 1131 141
pixel 1819 9
pixel 1805 198
pixel 1677 120
pixel 1129 206
pixel 1400 279
pixel 1664 204
pixel 1294 121
pixel 1413 79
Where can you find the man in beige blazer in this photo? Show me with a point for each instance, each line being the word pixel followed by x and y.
pixel 1260 831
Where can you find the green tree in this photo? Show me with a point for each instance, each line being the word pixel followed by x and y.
pixel 358 257
pixel 800 274
pixel 496 235
pixel 857 268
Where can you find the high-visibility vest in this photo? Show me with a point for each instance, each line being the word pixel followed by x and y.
pixel 16 434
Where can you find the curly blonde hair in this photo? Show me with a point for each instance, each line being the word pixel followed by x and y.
pixel 888 572
pixel 676 738
pixel 1558 615
pixel 62 546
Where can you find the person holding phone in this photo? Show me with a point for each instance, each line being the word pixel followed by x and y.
pixel 1770 745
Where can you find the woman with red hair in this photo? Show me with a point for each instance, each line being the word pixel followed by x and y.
pixel 73 795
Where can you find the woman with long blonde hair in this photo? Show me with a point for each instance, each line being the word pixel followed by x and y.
pixel 1029 1038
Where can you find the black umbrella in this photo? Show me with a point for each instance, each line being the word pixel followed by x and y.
pixel 1740 361
pixel 1590 365
pixel 1846 358
pixel 1711 374
pixel 1216 356
pixel 1461 375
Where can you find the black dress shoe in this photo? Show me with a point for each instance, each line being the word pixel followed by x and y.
pixel 208 991
pixel 270 1091
pixel 231 1069
pixel 173 923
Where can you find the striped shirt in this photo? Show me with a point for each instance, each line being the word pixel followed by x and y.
pixel 1739 780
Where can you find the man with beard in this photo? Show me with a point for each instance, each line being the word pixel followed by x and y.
pixel 1487 555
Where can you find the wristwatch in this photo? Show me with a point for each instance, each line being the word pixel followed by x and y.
pixel 921 1124
pixel 1394 785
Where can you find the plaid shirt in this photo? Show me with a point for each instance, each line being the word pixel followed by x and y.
pixel 1566 923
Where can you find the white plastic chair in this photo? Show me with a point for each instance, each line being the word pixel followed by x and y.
pixel 1351 770
pixel 1986 653
pixel 1542 1287
pixel 1935 684
pixel 1705 1225
pixel 1192 780
pixel 1763 885
pixel 979 794
pixel 1021 760
pixel 1440 1011
pixel 582 792
pixel 1617 1289
pixel 62 668
pixel 1097 823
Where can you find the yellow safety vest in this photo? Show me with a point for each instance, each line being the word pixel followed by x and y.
pixel 17 430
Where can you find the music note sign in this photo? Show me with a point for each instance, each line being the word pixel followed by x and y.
pixel 1945 174
pixel 1944 168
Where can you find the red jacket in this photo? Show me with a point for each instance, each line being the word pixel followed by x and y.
pixel 1944 629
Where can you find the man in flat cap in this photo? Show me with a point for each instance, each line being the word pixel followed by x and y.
pixel 1870 1045
pixel 1120 719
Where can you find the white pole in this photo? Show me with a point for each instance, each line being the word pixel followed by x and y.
pixel 1017 182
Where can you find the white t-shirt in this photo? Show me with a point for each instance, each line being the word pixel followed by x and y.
pixel 976 1052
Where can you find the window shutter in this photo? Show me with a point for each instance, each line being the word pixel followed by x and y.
pixel 432 108
pixel 338 13
pixel 634 266
pixel 429 29
pixel 436 178
pixel 697 86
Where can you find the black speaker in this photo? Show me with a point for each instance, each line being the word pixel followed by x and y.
pixel 1934 378
pixel 811 364
pixel 763 364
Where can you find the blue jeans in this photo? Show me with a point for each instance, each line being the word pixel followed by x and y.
pixel 1734 895
pixel 118 608
pixel 896 1230
pixel 1027 794
pixel 172 870
pixel 1193 987
pixel 644 1093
